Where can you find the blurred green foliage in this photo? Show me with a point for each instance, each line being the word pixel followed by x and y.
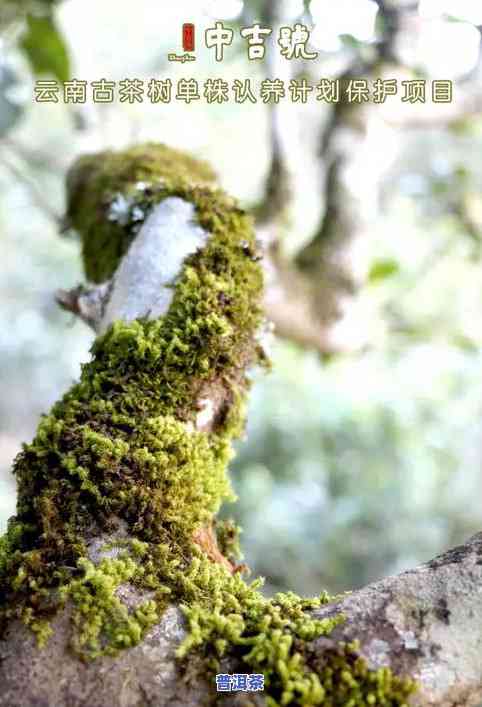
pixel 14 10
pixel 43 45
pixel 382 269
pixel 45 48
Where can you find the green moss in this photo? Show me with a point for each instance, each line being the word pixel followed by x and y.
pixel 122 444
pixel 10 542
pixel 349 682
pixel 102 621
pixel 227 535
pixel 231 616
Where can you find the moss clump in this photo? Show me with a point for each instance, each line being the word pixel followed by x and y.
pixel 122 444
pixel 227 616
pixel 103 623
pixel 227 535
pixel 348 682
pixel 231 616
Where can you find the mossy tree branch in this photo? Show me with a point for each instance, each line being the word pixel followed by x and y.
pixel 118 585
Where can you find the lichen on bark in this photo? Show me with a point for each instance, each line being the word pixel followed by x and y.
pixel 143 441
pixel 108 196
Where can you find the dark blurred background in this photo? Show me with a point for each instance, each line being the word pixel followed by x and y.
pixel 363 452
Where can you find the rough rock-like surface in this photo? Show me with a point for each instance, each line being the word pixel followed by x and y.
pixel 426 623
pixel 53 677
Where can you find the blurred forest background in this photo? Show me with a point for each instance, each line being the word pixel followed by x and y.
pixel 364 448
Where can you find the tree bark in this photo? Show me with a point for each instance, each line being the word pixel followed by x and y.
pixel 426 623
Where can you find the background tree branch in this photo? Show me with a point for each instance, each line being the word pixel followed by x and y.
pixel 326 273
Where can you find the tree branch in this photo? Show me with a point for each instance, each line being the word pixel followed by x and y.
pixel 426 623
